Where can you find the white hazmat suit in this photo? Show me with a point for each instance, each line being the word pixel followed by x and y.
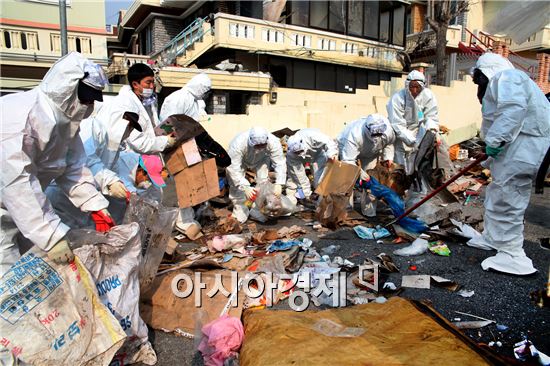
pixel 189 101
pixel 244 155
pixel 308 145
pixel 368 139
pixel 40 144
pixel 408 116
pixel 516 117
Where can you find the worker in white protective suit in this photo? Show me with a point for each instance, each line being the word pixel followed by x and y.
pixel 516 130
pixel 189 100
pixel 40 144
pixel 412 111
pixel 368 140
pixel 308 145
pixel 255 149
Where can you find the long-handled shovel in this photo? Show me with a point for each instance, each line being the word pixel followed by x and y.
pixel 463 171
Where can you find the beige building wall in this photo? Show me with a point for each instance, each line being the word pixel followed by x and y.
pixel 459 110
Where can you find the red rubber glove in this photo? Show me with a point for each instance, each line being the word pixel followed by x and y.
pixel 103 220
pixel 128 194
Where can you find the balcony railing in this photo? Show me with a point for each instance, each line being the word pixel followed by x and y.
pixel 426 40
pixel 537 41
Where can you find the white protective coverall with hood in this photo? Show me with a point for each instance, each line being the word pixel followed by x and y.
pixel 244 155
pixel 40 144
pixel 516 117
pixel 368 139
pixel 409 117
pixel 111 157
pixel 189 101
pixel 308 145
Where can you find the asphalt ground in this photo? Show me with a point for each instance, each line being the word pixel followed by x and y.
pixel 499 297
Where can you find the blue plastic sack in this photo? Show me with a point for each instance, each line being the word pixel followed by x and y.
pixel 396 204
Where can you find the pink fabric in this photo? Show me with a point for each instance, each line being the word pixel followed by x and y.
pixel 222 338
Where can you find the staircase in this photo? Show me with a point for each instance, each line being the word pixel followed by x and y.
pixel 476 45
pixel 189 44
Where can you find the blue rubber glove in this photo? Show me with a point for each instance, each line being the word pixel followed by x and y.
pixel 493 151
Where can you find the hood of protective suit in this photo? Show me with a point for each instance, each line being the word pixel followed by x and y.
pixel 199 85
pixel 60 84
pixel 491 64
pixel 257 136
pixel 417 76
pixel 379 131
pixel 295 144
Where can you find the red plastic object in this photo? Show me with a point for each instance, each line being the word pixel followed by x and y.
pixel 412 267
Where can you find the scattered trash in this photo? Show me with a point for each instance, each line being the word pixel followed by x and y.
pixel 526 351
pixel 474 316
pixel 390 286
pixel 223 338
pixel 380 300
pixel 371 233
pixel 466 293
pixel 331 249
pixel 465 230
pixel 444 283
pixel 439 248
pixel 502 328
pixel 419 246
pixel 493 343
pixel 416 281
pixel 227 257
pixel 279 245
pixel 412 267
pixel 330 328
pixel 545 243
pixel 475 324
pixel 236 242
pixel 386 263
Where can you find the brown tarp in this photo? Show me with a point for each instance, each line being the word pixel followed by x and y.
pixel 398 332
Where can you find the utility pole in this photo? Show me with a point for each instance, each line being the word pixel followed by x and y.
pixel 63 26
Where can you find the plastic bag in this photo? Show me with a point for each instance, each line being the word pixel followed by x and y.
pixel 396 205
pixel 113 260
pixel 155 223
pixel 419 246
pixel 272 206
pixel 223 338
pixel 50 314
pixel 370 232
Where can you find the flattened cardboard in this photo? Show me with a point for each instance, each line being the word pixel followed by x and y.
pixel 175 161
pixel 162 309
pixel 197 184
pixel 339 178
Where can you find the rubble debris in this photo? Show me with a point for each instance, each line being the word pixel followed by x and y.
pixel 418 247
pixel 292 232
pixel 386 263
pixel 371 233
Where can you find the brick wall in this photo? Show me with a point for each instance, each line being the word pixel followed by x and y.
pixel 164 29
pixel 418 15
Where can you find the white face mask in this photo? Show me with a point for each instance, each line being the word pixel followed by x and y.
pixel 147 93
pixel 378 143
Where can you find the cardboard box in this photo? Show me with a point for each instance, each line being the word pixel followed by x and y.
pixel 191 152
pixel 197 184
pixel 339 178
pixel 175 161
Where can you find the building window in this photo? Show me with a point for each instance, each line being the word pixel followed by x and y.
pixel 355 21
pixel 7 39
pixel 348 47
pixel 318 14
pixel 78 47
pixel 238 30
pixel 299 13
pixel 337 16
pixel 55 43
pixel 370 26
pixel 398 37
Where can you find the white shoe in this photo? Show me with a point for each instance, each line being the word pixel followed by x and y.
pixel 504 262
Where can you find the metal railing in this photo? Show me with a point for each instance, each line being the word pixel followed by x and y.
pixel 187 37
